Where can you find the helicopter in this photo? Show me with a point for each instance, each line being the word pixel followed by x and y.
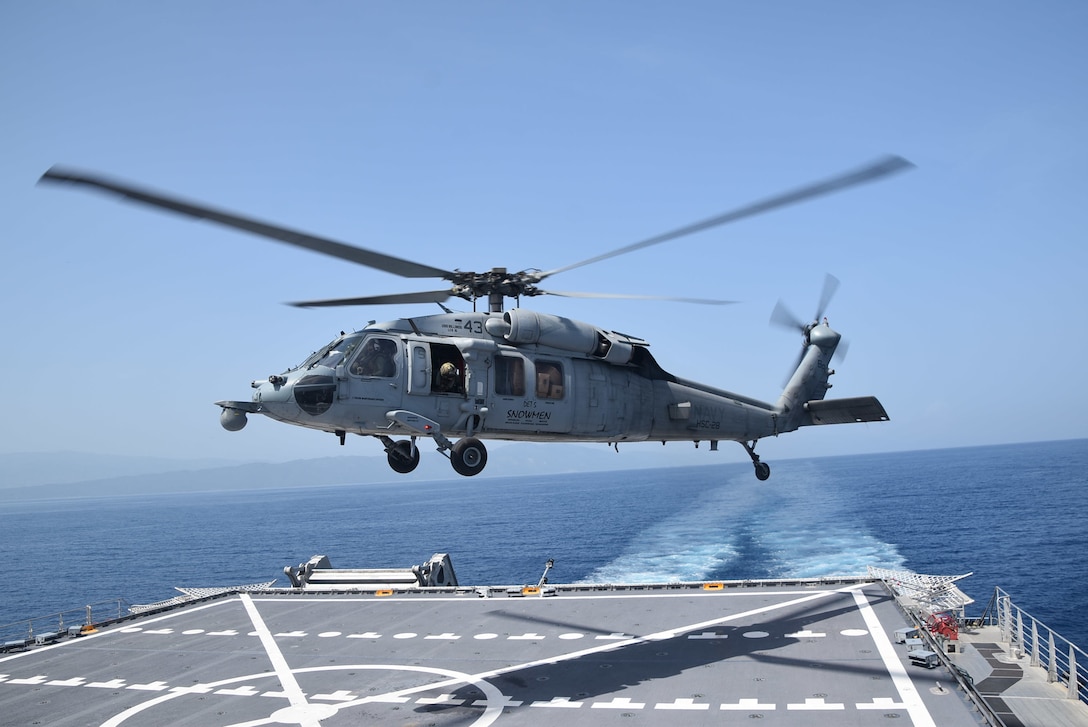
pixel 457 378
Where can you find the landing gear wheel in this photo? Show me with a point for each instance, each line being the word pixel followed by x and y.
pixel 403 456
pixel 763 471
pixel 468 456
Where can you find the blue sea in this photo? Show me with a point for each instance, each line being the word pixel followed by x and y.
pixel 1014 515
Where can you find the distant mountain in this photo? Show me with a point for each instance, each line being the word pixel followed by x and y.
pixel 67 474
pixel 27 469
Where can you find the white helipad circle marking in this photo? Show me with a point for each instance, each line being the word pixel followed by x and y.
pixel 328 634
pixel 755 634
pixel 485 637
pixel 131 630
pixel 405 635
pixel 494 699
pixel 854 632
pixel 190 632
pixel 571 636
pixel 303 713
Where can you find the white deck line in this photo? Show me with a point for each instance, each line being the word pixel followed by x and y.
pixel 290 685
pixel 908 695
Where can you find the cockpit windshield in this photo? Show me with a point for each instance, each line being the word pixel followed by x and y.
pixel 332 354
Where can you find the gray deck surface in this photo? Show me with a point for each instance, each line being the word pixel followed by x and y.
pixel 786 655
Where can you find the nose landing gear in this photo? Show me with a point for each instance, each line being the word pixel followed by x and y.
pixel 402 455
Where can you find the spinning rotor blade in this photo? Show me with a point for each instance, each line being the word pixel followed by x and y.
pixel 495 284
pixel 831 284
pixel 380 261
pixel 432 296
pixel 622 296
pixel 784 317
pixel 874 171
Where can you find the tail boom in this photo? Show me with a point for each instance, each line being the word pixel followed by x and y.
pixel 802 402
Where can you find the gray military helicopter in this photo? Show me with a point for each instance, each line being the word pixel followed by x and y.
pixel 518 374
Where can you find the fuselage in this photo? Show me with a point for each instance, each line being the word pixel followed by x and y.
pixel 518 375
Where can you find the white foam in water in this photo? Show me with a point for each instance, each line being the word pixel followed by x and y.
pixel 804 553
pixel 683 547
pixel 660 557
pixel 811 533
pixel 795 527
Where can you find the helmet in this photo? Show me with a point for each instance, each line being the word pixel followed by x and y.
pixel 447 370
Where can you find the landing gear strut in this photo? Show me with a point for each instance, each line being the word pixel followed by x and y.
pixel 763 470
pixel 468 455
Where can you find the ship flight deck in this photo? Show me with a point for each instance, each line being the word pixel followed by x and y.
pixel 786 653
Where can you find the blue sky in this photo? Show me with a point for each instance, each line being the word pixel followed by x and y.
pixel 479 134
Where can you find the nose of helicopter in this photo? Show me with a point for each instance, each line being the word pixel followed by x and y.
pixel 273 389
pixel 286 394
pixel 276 397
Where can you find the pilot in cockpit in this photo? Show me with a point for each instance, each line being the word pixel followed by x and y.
pixel 376 359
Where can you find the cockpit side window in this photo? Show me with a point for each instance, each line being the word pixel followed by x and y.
pixel 332 354
pixel 376 357
pixel 340 352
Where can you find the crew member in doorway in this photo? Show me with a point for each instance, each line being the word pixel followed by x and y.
pixel 448 379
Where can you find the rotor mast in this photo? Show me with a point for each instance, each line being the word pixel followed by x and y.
pixel 496 293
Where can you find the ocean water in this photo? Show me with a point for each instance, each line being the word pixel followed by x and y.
pixel 1014 515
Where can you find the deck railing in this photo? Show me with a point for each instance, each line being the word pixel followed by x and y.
pixel 55 626
pixel 1025 635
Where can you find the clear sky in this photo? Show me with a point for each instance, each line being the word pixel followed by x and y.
pixel 533 135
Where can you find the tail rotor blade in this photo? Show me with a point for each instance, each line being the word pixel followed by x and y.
pixel 831 284
pixel 785 318
pixel 841 350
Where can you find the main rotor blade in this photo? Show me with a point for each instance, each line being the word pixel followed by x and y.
pixel 369 258
pixel 432 296
pixel 623 296
pixel 869 173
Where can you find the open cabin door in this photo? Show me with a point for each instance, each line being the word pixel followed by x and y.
pixel 419 367
pixel 438 368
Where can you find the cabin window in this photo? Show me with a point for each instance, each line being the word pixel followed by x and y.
pixel 549 380
pixel 376 358
pixel 509 376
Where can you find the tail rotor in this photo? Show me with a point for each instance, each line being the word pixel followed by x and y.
pixel 783 317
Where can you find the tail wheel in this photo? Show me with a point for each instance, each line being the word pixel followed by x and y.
pixel 468 456
pixel 403 456
pixel 763 471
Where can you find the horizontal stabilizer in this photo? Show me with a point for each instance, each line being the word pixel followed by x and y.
pixel 846 411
